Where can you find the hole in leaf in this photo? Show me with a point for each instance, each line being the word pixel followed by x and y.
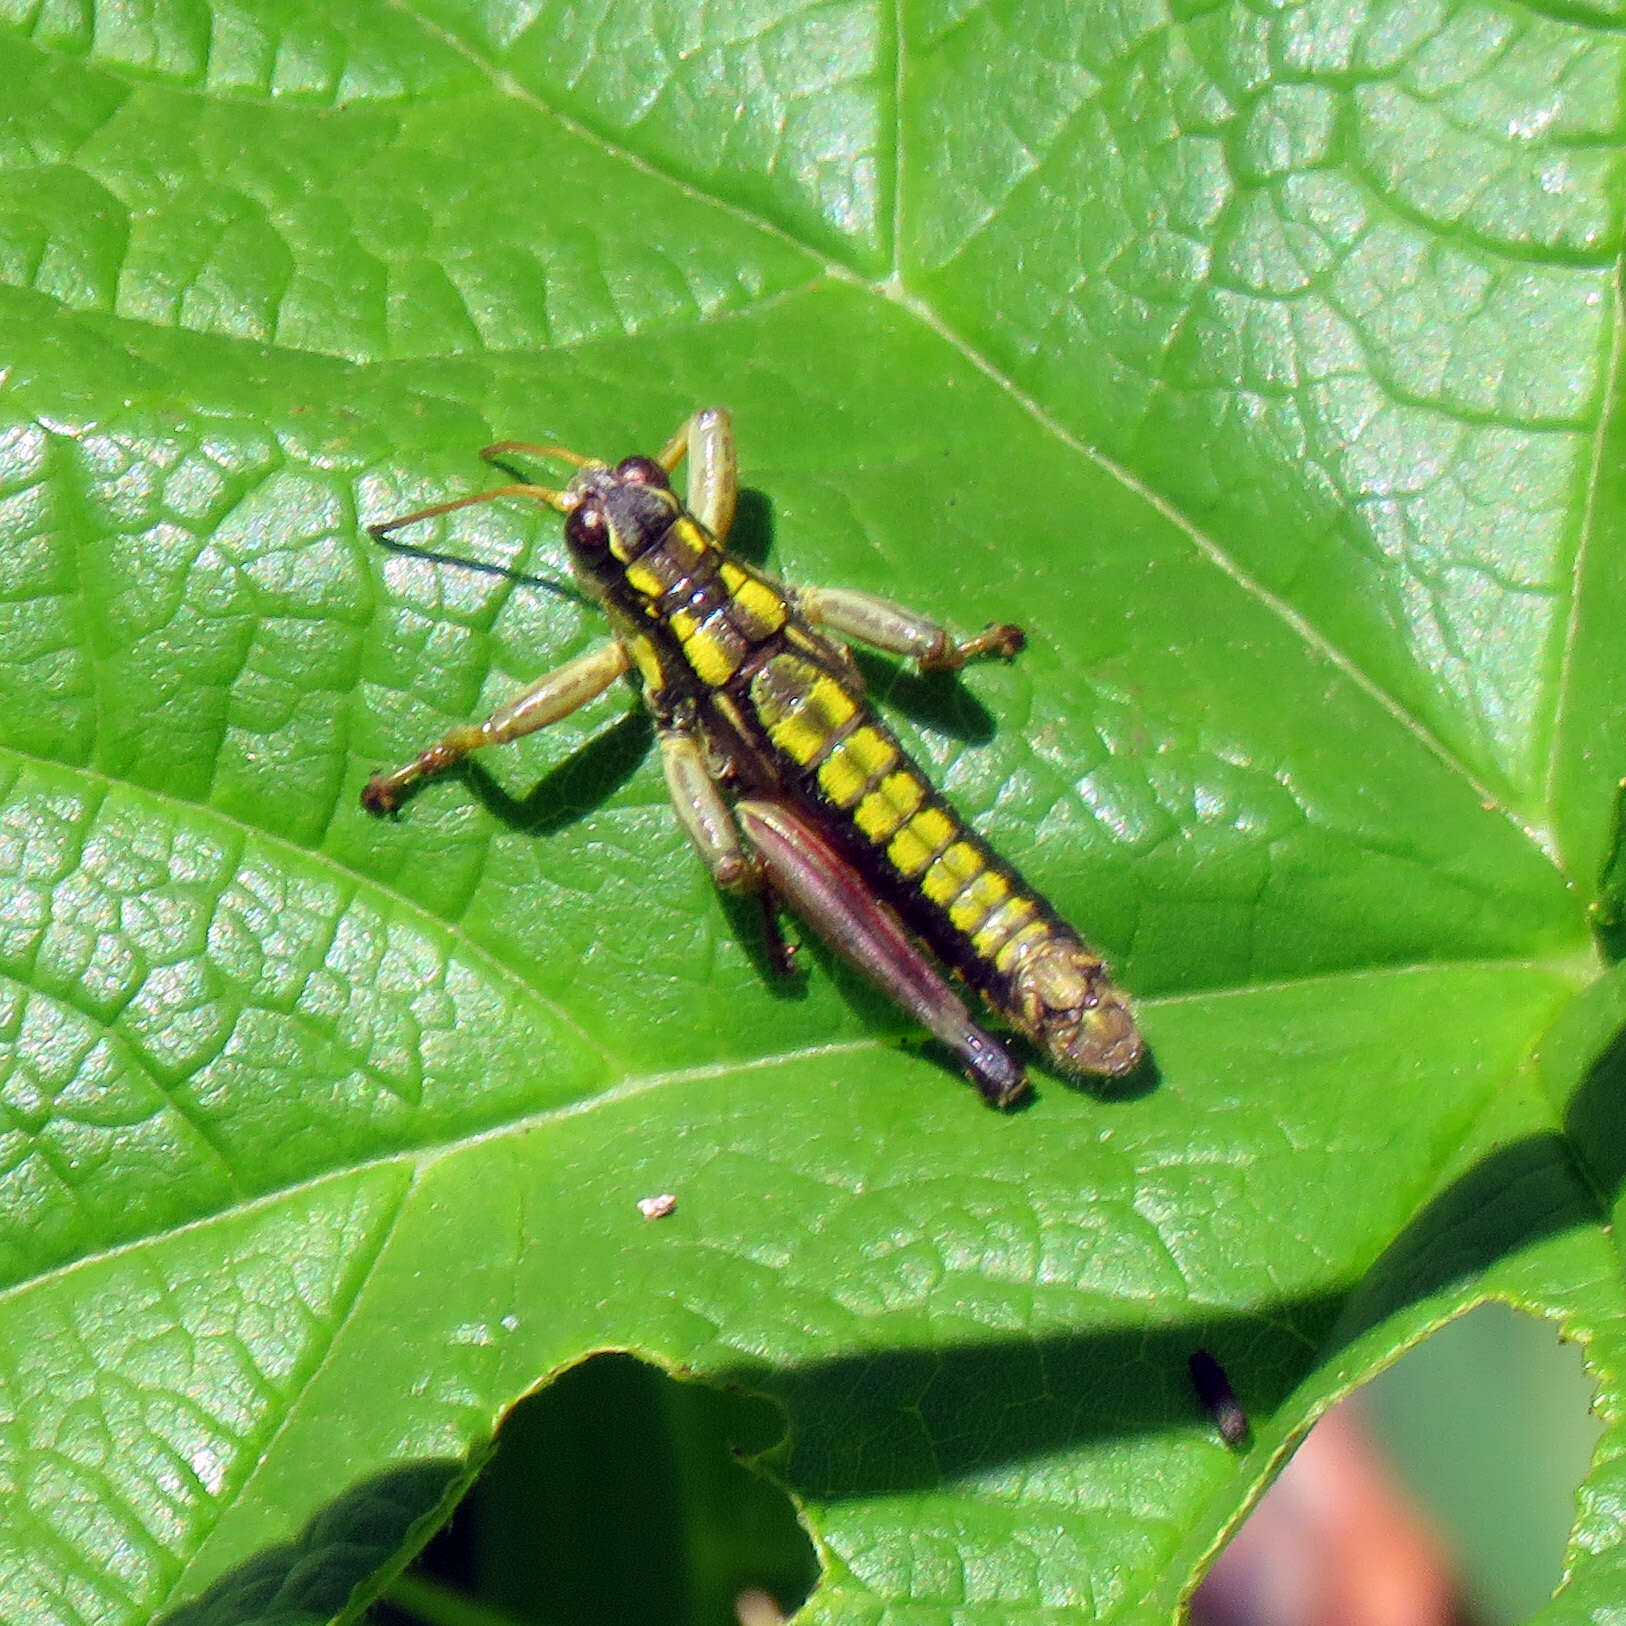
pixel 1443 1491
pixel 616 1493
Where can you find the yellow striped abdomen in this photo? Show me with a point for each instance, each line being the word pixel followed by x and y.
pixel 969 906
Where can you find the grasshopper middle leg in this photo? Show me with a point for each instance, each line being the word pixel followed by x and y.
pixel 899 630
pixel 708 821
pixel 701 810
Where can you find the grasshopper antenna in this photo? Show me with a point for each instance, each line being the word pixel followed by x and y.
pixel 484 567
pixel 560 502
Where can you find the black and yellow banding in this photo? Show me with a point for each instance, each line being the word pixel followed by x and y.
pixel 971 906
pixel 750 697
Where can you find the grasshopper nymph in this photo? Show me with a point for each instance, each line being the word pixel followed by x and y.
pixel 783 775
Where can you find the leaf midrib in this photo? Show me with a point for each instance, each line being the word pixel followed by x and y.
pixel 1576 970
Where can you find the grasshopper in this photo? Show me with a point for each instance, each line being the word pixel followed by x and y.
pixel 784 777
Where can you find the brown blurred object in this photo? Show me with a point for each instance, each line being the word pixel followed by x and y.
pixel 1335 1542
pixel 754 1607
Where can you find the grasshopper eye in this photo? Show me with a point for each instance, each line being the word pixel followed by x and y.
pixel 642 471
pixel 585 528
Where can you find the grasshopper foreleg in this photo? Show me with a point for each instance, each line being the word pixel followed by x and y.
pixel 551 697
pixel 898 630
pixel 832 898
pixel 707 440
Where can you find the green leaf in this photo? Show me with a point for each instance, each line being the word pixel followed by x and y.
pixel 1261 363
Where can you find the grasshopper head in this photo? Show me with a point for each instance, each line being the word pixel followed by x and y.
pixel 613 515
